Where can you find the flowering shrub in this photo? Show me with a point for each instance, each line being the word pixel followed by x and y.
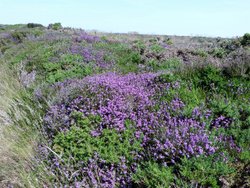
pixel 91 55
pixel 83 36
pixel 126 123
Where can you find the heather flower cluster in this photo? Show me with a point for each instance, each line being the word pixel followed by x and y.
pixel 83 36
pixel 116 98
pixel 91 55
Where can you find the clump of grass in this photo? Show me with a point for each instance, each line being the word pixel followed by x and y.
pixel 18 139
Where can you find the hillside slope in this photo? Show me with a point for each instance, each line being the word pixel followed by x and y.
pixel 81 109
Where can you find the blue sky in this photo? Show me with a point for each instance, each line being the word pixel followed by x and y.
pixel 225 18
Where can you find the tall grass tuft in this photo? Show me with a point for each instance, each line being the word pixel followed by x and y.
pixel 18 133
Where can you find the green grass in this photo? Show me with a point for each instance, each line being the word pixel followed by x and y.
pixel 18 134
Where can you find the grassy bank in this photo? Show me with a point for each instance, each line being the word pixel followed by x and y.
pixel 18 133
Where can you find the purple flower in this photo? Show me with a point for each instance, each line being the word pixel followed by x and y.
pixel 131 102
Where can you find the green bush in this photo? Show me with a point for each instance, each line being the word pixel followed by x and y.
pixel 153 40
pixel 151 175
pixel 186 91
pixel 208 77
pixel 68 66
pixel 140 46
pixel 205 170
pixel 168 41
pixel 56 73
pixel 245 41
pixel 218 52
pixel 19 35
pixel 223 106
pixel 55 26
pixel 201 53
pixel 135 58
pixel 231 45
pixel 33 25
pixel 79 143
pixel 157 48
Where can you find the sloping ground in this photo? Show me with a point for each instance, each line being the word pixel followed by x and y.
pixel 16 148
pixel 6 94
pixel 122 112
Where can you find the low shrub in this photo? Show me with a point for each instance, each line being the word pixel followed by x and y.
pixel 151 174
pixel 33 25
pixel 19 36
pixel 55 26
pixel 245 41
pixel 218 52
pixel 201 53
pixel 206 171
